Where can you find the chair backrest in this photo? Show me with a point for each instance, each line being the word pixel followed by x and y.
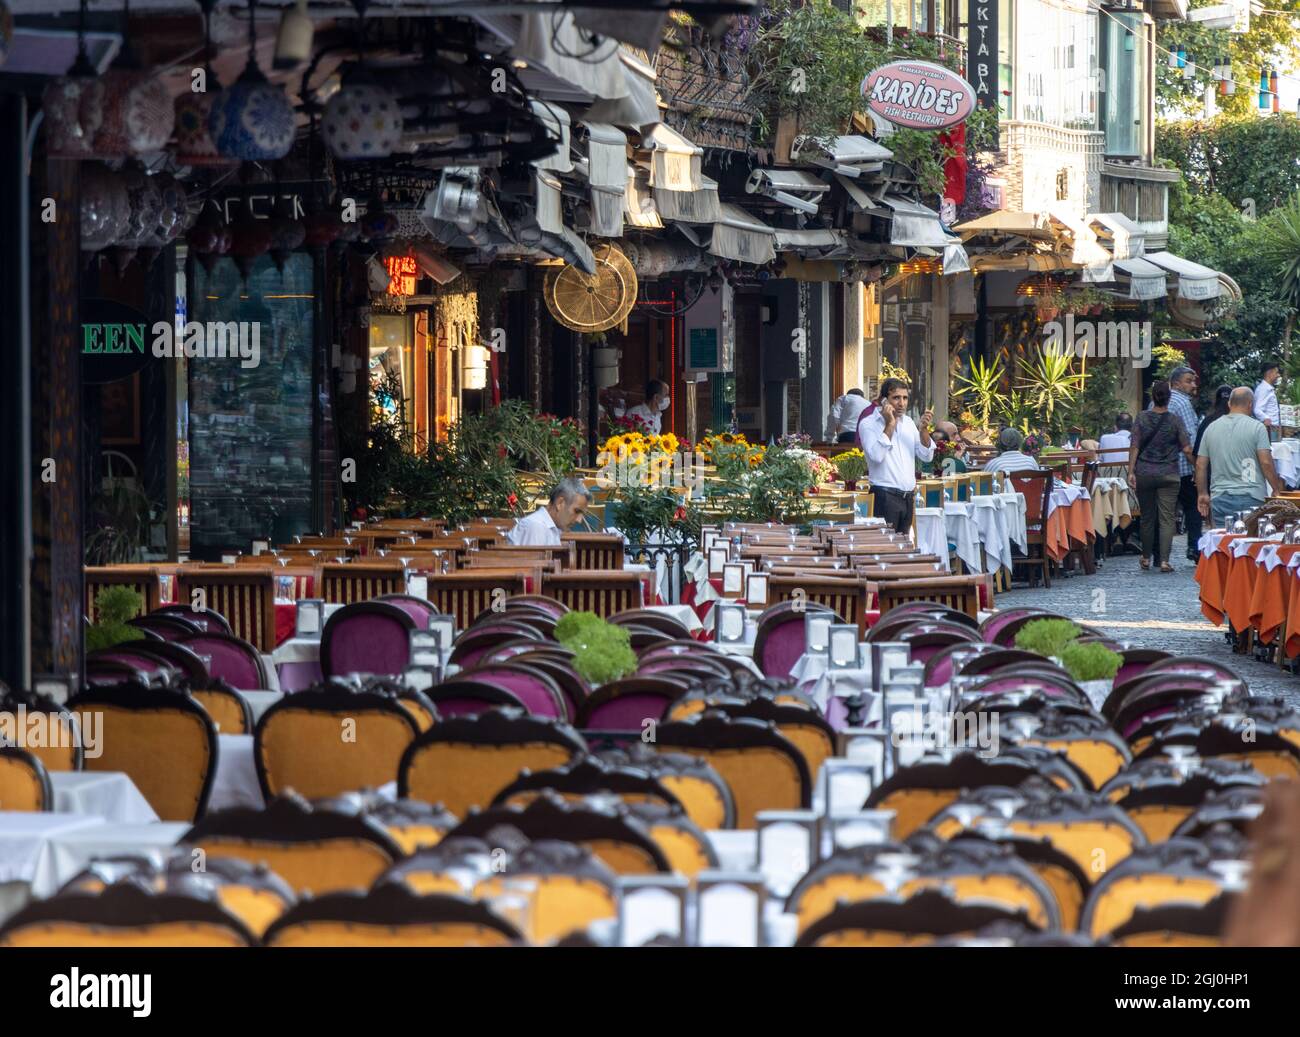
pixel 246 597
pixel 361 581
pixel 172 626
pixel 124 653
pixel 164 741
pixel 126 914
pixel 960 593
pixel 329 741
pixel 628 704
pixel 233 660
pixel 177 656
pixel 62 749
pixel 366 637
pixel 208 619
pixel 391 915
pixel 230 711
pixel 466 698
pixel 463 762
pixel 144 579
pixel 1037 488
pixel 780 639
pixel 847 598
pixel 466 594
pixel 482 638
pixel 595 550
pixel 540 694
pixel 314 849
pixel 660 621
pixel 418 609
pixel 604 593
pixel 764 770
pixel 24 783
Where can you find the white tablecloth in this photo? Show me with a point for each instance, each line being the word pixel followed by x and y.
pixel 661 576
pixel 298 649
pixel 260 701
pixel 1286 459
pixel 110 795
pixel 1064 494
pixel 968 526
pixel 822 683
pixel 27 846
pixel 992 517
pixel 683 613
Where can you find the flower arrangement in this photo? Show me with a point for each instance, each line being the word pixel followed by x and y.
pixel 1033 444
pixel 795 441
pixel 819 469
pixel 602 651
pixel 851 465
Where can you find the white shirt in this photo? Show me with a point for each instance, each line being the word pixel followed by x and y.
pixel 845 414
pixel 891 460
pixel 537 529
pixel 1012 461
pixel 1113 447
pixel 651 418
pixel 1266 408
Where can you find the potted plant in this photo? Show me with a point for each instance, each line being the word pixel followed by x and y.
pixel 1094 666
pixel 851 466
pixel 602 651
pixel 114 606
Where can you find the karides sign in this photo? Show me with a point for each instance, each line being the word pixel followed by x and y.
pixel 919 95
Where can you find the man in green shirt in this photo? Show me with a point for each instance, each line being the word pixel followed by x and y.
pixel 1236 452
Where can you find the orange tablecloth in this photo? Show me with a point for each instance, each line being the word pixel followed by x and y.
pixel 1211 574
pixel 1240 586
pixel 1268 601
pixel 1068 528
pixel 1292 644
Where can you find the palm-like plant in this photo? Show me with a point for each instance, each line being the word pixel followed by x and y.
pixel 1281 246
pixel 1049 381
pixel 983 387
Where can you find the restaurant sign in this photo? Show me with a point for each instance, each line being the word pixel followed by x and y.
pixel 919 95
pixel 402 271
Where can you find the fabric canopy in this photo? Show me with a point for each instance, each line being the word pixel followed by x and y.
pixel 675 163
pixel 1146 280
pixel 737 235
pixel 914 224
pixel 702 206
pixel 1194 281
pixel 1127 240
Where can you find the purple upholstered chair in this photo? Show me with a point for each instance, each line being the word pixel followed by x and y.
pixel 627 704
pixel 366 637
pixel 779 642
pixel 234 660
pixel 208 620
pixel 417 608
pixel 136 660
pixel 464 698
pixel 540 694
pixel 485 637
pixel 171 627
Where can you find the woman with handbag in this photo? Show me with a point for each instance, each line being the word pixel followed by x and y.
pixel 1158 439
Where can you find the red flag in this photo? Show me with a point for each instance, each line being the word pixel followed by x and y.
pixel 954 169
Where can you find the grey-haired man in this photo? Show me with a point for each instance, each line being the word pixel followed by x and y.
pixel 543 527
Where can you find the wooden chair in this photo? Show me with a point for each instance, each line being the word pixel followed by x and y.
pixel 1037 489
pixel 466 594
pixel 24 783
pixel 846 596
pixel 961 593
pixel 246 598
pixel 604 593
pixel 562 556
pixel 360 581
pixel 145 580
pixel 300 742
pixel 595 550
pixel 63 751
pixel 165 742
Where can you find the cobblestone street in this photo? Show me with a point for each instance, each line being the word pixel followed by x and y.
pixel 1151 610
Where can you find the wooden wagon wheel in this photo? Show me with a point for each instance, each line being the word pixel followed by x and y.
pixel 595 302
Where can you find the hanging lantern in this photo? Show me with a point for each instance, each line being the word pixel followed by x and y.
pixel 171 220
pixel 362 120
pixel 138 115
pixel 105 209
pixel 146 204
pixel 1189 70
pixel 194 143
pixel 252 121
pixel 73 104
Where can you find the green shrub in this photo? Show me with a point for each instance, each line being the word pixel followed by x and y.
pixel 106 635
pixel 573 627
pixel 602 651
pixel 1090 662
pixel 114 606
pixel 1046 636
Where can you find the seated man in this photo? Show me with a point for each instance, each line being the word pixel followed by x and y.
pixel 1113 446
pixel 543 527
pixel 1009 458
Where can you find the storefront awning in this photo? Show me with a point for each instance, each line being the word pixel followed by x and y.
pixel 1033 262
pixel 675 163
pixel 1126 239
pixel 1145 280
pixel 702 206
pixel 815 239
pixel 796 188
pixel 849 155
pixel 553 41
pixel 1194 281
pixel 737 235
pixel 557 123
pixel 639 209
pixel 914 224
pixel 639 107
pixel 607 175
pixel 1030 225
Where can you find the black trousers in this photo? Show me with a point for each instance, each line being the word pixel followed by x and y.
pixel 1191 516
pixel 895 507
pixel 847 437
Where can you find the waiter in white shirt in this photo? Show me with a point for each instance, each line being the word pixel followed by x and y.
pixel 1266 408
pixel 892 445
pixel 1112 448
pixel 846 412
pixel 656 402
pixel 567 505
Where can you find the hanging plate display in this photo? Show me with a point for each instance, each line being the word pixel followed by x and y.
pixel 595 302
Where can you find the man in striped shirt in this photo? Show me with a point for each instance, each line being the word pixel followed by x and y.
pixel 1009 458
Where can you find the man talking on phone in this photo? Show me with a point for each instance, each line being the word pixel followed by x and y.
pixel 892 445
